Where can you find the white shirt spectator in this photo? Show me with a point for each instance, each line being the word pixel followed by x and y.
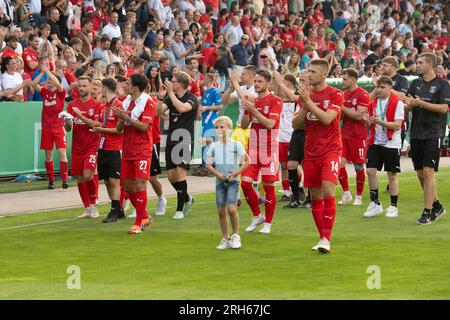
pixel 99 53
pixel 186 5
pixel 158 8
pixel 11 81
pixel 233 35
pixel 200 6
pixel 168 14
pixel 112 31
pixel 36 6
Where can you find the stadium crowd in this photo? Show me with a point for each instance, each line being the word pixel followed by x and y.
pixel 207 53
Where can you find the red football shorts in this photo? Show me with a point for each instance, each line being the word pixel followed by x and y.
pixel 283 150
pixel 269 168
pixel 135 169
pixel 53 136
pixel 354 150
pixel 84 162
pixel 324 169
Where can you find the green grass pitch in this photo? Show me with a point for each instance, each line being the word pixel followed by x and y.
pixel 178 259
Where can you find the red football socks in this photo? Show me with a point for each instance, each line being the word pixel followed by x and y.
pixel 252 197
pixel 92 187
pixel 139 201
pixel 317 211
pixel 329 213
pixel 123 196
pixel 286 185
pixel 271 202
pixel 95 179
pixel 84 194
pixel 64 168
pixel 50 171
pixel 360 180
pixel 343 179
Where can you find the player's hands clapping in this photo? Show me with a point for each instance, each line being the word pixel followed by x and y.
pixel 162 91
pixel 412 101
pixel 120 113
pixel 303 94
pixel 249 103
pixel 234 77
pixel 75 110
pixel 169 86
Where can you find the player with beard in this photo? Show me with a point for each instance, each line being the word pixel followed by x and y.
pixel 354 135
pixel 320 114
pixel 262 115
pixel 85 142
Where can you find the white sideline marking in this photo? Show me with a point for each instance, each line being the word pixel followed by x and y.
pixel 74 219
pixel 169 207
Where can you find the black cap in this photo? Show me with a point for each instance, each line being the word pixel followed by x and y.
pixel 409 63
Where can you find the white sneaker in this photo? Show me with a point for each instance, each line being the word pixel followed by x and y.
pixel 358 201
pixel 235 241
pixel 266 228
pixel 224 244
pixel 162 204
pixel 94 213
pixel 133 214
pixel 178 215
pixel 391 212
pixel 323 246
pixel 346 199
pixel 86 213
pixel 256 221
pixel 373 210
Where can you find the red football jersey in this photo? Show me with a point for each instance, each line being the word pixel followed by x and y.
pixel 52 105
pixel 352 129
pixel 137 145
pixel 261 138
pixel 84 141
pixel 322 140
pixel 156 126
pixel 111 141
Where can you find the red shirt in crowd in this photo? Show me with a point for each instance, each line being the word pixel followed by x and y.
pixel 29 55
pixel 209 56
pixel 84 141
pixel 52 105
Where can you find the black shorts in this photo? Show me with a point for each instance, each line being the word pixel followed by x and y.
pixel 425 153
pixel 296 151
pixel 108 164
pixel 178 155
pixel 155 168
pixel 377 156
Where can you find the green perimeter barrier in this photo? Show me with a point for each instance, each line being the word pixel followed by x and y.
pixel 20 134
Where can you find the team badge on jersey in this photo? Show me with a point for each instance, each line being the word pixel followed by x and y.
pixel 266 109
pixel 325 104
pixel 91 112
pixel 355 102
pixel 433 89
